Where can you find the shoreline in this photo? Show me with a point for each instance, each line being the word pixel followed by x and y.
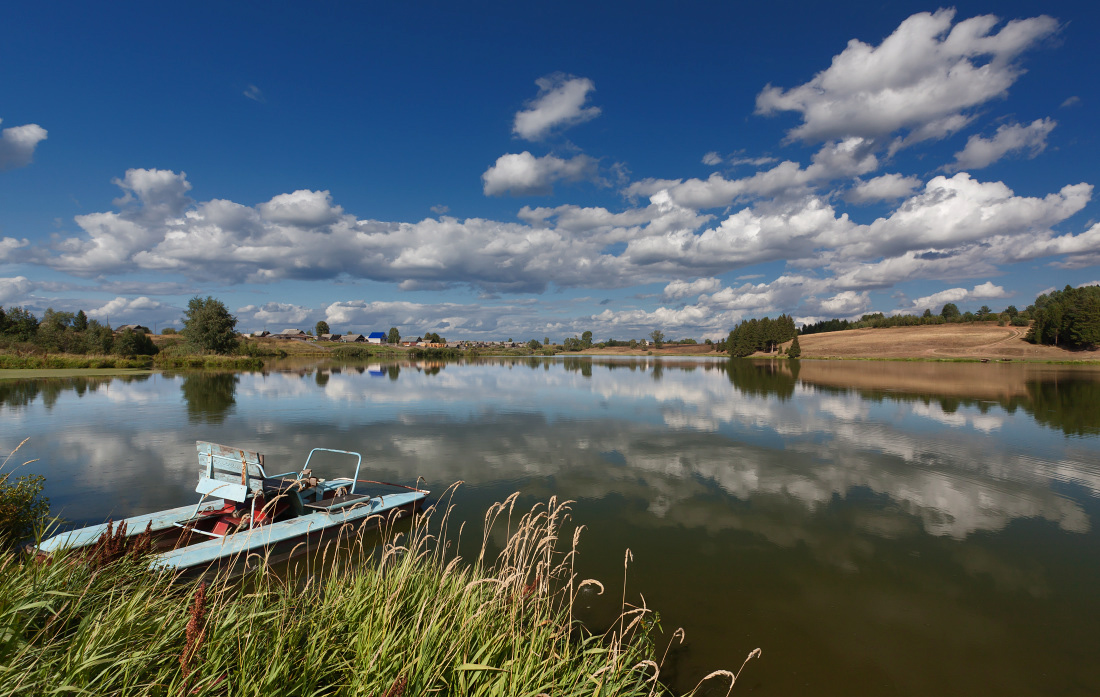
pixel 974 342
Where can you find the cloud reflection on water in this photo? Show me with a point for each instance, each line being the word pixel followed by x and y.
pixel 749 432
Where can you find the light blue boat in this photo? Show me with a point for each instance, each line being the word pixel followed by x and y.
pixel 244 511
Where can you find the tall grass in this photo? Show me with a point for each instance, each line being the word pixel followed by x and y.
pixel 208 361
pixel 9 362
pixel 163 360
pixel 400 614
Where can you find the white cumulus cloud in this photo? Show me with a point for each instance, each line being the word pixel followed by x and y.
pixel 9 247
pixel 839 159
pixel 956 295
pixel 132 309
pixel 888 187
pixel 303 208
pixel 924 79
pixel 846 303
pixel 17 144
pixel 982 152
pixel 523 174
pixel 960 209
pixel 954 228
pixel 682 289
pixel 273 313
pixel 12 290
pixel 560 103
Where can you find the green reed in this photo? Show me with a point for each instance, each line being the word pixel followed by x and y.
pixel 382 614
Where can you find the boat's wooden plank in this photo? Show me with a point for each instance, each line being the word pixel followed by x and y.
pixel 161 520
pixel 229 490
pixel 227 454
pixel 243 543
pixel 228 464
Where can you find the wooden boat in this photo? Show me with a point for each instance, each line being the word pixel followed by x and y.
pixel 243 511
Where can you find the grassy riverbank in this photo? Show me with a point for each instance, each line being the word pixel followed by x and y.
pixel 411 620
pixel 70 362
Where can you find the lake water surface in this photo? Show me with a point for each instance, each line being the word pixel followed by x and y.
pixel 876 528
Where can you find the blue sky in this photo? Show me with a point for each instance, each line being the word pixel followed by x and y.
pixel 510 170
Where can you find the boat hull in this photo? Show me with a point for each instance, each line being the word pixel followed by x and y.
pixel 177 549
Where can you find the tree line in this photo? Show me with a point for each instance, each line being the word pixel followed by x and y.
pixel 207 327
pixel 67 332
pixel 1068 317
pixel 949 314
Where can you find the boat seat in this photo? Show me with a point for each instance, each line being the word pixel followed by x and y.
pixel 229 473
pixel 280 484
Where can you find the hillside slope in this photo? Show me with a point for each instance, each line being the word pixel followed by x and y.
pixel 975 340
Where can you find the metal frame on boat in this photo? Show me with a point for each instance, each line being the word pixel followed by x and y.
pixel 255 511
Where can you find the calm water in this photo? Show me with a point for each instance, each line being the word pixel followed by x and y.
pixel 877 528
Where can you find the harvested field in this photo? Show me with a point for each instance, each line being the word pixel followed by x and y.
pixel 941 341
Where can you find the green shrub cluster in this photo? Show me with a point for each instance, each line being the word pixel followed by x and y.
pixel 23 508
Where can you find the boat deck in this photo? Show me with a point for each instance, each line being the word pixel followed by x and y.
pixel 250 541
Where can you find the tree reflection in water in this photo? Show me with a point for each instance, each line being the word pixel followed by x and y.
pixel 209 396
pixel 21 393
pixel 763 378
pixel 1071 405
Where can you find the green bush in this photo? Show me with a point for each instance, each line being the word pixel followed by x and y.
pixel 351 351
pixel 22 508
pixel 131 343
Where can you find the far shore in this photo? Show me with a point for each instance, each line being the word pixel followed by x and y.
pixel 968 342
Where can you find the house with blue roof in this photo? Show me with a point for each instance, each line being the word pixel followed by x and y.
pixel 376 338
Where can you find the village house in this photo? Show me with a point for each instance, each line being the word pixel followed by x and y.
pixel 261 334
pixel 353 338
pixel 376 338
pixel 408 341
pixel 290 334
pixel 329 337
